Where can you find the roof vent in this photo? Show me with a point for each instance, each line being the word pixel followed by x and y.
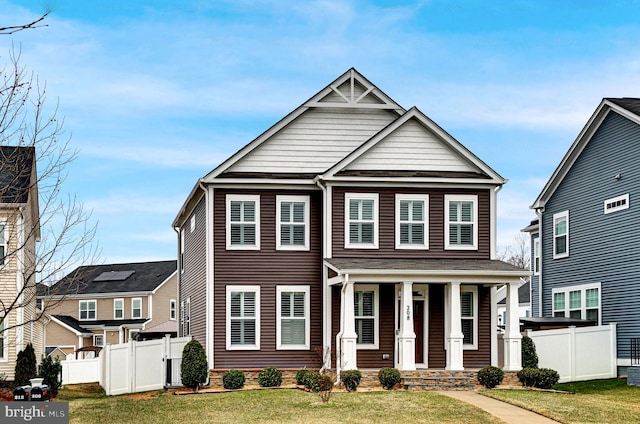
pixel 114 276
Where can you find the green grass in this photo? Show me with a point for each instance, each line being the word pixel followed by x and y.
pixel 597 401
pixel 277 406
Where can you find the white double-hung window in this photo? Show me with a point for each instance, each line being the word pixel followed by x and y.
pixel 366 316
pixel 561 235
pixel 118 309
pixel 461 222
pixel 243 317
pixel 412 222
pixel 361 220
pixel 293 317
pixel 87 309
pixel 243 222
pixel 292 218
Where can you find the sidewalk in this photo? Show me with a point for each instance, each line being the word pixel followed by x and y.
pixel 506 412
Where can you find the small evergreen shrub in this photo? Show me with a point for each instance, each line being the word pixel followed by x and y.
pixel 312 380
pixel 490 376
pixel 233 379
pixel 193 368
pixel 351 379
pixel 547 378
pixel 25 366
pixel 270 377
pixel 529 355
pixel 302 375
pixel 529 376
pixel 389 377
pixel 51 372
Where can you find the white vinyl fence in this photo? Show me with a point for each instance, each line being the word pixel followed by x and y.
pixel 130 367
pixel 578 354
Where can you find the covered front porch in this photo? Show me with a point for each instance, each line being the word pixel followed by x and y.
pixel 419 314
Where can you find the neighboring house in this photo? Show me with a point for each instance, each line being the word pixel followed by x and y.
pixel 524 302
pixel 353 226
pixel 108 304
pixel 19 232
pixel 584 241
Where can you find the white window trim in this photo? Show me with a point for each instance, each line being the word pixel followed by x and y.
pixel 80 302
pixel 360 196
pixel 536 255
pixel 187 317
pixel 474 290
pixel 307 327
pixel 133 301
pixel 624 197
pixel 95 336
pixel 376 316
pixel 192 223
pixel 4 353
pixel 256 290
pixel 114 308
pixel 583 299
pixel 173 309
pixel 5 237
pixel 242 198
pixel 306 200
pixel 460 198
pixel 556 216
pixel 415 197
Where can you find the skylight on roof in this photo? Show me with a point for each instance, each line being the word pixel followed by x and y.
pixel 114 276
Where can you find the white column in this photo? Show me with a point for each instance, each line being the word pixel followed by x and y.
pixel 493 290
pixel 407 337
pixel 455 337
pixel 349 336
pixel 512 336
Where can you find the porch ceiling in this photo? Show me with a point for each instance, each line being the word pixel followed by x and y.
pixel 480 271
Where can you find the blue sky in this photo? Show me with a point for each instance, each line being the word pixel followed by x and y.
pixel 157 93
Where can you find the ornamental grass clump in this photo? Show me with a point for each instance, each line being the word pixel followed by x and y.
pixel 270 377
pixel 233 379
pixel 351 379
pixel 389 377
pixel 490 376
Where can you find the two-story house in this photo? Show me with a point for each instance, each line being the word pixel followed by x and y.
pixel 96 305
pixel 19 232
pixel 353 226
pixel 584 250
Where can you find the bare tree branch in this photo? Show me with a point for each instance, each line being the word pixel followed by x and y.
pixel 35 24
pixel 517 253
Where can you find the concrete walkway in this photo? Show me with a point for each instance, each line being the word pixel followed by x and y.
pixel 505 411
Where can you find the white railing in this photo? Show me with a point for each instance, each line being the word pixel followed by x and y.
pixel 578 354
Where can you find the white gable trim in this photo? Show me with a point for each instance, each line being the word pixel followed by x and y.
pixel 592 125
pixel 414 113
pixel 351 74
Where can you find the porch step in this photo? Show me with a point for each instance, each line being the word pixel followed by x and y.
pixel 441 382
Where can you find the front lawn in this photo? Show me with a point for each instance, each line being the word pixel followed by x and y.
pixel 277 406
pixel 597 401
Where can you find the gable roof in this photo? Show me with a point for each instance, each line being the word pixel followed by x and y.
pixel 524 294
pixel 115 278
pixel 627 107
pixel 16 171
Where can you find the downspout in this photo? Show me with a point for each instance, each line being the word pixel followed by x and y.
pixel 539 212
pixel 494 213
pixel 339 335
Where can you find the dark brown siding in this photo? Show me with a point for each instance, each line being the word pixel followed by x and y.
pixel 193 279
pixel 386 243
pixel 481 357
pixel 267 268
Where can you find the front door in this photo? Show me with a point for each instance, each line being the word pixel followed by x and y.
pixel 418 329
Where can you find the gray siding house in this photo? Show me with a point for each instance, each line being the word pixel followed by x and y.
pixel 585 244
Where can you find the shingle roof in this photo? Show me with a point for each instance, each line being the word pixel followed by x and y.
pixel 140 277
pixel 79 325
pixel 632 104
pixel 16 164
pixel 524 295
pixel 423 264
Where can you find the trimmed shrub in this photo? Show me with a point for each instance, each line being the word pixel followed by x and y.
pixel 194 369
pixel 389 377
pixel 351 379
pixel 490 376
pixel 302 375
pixel 270 377
pixel 25 366
pixel 311 381
pixel 233 379
pixel 529 376
pixel 529 355
pixel 547 378
pixel 51 372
